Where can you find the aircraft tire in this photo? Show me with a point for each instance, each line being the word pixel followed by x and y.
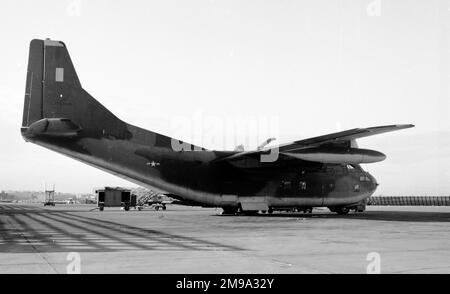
pixel 342 210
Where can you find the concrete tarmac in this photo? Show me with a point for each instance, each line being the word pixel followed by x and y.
pixel 38 239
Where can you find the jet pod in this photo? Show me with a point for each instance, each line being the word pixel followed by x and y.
pixel 338 156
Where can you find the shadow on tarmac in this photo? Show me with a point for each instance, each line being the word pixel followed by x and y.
pixel 30 229
pixel 399 216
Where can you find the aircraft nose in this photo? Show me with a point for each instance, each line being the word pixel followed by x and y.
pixel 373 180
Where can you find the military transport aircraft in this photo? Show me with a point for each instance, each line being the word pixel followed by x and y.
pixel 322 171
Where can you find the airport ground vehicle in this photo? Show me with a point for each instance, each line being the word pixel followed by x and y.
pixel 152 200
pixel 155 206
pixel 115 197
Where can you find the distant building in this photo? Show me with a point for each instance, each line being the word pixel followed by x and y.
pixel 5 196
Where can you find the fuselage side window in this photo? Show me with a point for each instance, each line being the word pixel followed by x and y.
pixel 286 185
pixel 302 185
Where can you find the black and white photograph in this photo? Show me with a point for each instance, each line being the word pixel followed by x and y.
pixel 225 137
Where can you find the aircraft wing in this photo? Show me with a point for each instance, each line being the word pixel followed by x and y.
pixel 341 137
pixel 333 140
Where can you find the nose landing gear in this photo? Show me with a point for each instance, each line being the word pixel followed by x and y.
pixel 341 210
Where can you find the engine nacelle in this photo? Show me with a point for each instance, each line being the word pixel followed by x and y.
pixel 338 156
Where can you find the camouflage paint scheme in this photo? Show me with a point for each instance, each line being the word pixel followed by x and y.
pixel 60 115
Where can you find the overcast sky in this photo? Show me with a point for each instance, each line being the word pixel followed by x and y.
pixel 297 68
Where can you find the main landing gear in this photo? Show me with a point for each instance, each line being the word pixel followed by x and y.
pixel 341 210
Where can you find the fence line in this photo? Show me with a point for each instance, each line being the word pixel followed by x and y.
pixel 409 200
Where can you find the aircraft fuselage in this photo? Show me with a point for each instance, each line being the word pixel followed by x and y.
pixel 195 176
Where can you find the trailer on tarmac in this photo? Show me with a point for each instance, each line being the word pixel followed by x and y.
pixel 115 197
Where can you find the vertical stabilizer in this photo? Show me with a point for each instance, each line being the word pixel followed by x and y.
pixel 50 76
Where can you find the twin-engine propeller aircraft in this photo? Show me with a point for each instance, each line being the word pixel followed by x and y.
pixel 322 171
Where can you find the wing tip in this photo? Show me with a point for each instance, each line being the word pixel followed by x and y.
pixel 405 126
pixel 393 127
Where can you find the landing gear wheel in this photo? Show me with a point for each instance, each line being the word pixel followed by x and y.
pixel 270 211
pixel 341 210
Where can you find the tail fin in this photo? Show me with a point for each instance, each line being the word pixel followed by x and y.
pixel 50 70
pixel 55 103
